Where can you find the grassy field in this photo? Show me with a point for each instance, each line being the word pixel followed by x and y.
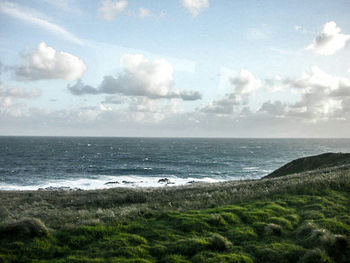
pixel 296 218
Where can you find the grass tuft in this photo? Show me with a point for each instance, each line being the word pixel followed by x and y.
pixel 28 227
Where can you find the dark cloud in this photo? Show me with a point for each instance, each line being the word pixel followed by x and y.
pixel 79 88
pixel 113 100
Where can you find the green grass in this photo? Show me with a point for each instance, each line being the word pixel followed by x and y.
pixel 274 229
pixel 298 218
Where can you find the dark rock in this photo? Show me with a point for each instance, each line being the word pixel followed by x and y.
pixel 164 181
pixel 112 182
pixel 192 182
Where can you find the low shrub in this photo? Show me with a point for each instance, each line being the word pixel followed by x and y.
pixel 216 220
pixel 282 222
pixel 210 257
pixel 315 256
pixel 242 234
pixel 278 253
pixel 174 258
pixel 312 215
pixel 273 229
pixel 320 238
pixel 28 227
pixel 188 247
pixel 219 243
pixel 334 226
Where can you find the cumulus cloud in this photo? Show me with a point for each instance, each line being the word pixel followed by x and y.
pixel 79 88
pixel 9 97
pixel 276 108
pixel 15 92
pixel 47 63
pixel 315 80
pixel 109 9
pixel 330 40
pixel 323 97
pixel 33 17
pixel 140 77
pixel 243 85
pixel 222 106
pixel 274 84
pixel 195 6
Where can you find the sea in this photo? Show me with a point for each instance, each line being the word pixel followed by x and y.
pixel 32 163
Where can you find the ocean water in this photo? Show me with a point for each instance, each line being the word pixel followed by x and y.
pixel 30 163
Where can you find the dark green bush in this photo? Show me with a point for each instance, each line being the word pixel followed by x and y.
pixel 216 220
pixel 241 234
pixel 28 227
pixel 315 256
pixel 273 229
pixel 174 258
pixel 219 243
pixel 279 253
pixel 209 257
pixel 189 247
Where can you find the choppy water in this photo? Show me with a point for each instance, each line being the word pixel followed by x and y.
pixel 89 163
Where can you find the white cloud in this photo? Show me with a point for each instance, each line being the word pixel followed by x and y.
pixel 9 97
pixel 144 12
pixel 224 105
pixel 330 40
pixel 315 80
pixel 243 85
pixel 245 82
pixel 140 77
pixel 276 108
pixel 47 63
pixel 109 9
pixel 195 6
pixel 274 84
pixel 323 97
pixel 35 18
pixel 15 92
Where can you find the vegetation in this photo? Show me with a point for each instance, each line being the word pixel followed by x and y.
pixel 300 165
pixel 295 218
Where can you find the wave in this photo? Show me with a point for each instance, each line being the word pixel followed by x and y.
pixel 105 182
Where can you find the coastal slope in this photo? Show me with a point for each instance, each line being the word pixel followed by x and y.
pixel 301 217
pixel 325 160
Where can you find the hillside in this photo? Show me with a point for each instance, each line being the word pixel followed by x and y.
pixel 296 218
pixel 310 163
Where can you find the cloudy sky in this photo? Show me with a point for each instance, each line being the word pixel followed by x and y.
pixel 187 68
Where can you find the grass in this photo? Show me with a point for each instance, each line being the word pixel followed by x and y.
pixel 296 218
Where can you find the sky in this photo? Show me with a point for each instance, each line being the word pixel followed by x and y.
pixel 177 68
